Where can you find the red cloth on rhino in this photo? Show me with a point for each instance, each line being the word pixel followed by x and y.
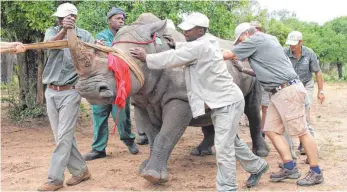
pixel 121 73
pixel 122 77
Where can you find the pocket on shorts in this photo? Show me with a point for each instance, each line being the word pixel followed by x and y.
pixel 296 123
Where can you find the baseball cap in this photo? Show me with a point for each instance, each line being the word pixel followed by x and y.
pixel 257 25
pixel 115 11
pixel 241 28
pixel 65 9
pixel 194 19
pixel 293 38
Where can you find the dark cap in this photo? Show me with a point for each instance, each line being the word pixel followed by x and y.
pixel 115 11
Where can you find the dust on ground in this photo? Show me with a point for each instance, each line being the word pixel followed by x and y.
pixel 26 152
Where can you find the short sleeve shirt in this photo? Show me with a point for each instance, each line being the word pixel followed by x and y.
pixel 59 69
pixel 306 65
pixel 267 58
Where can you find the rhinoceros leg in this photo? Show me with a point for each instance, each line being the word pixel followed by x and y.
pixel 252 110
pixel 176 117
pixel 142 118
pixel 205 147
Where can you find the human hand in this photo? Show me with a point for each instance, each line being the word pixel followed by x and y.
pixel 138 53
pixel 68 22
pixel 170 41
pixel 20 48
pixel 100 41
pixel 321 97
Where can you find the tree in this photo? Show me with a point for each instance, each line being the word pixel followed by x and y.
pixel 26 22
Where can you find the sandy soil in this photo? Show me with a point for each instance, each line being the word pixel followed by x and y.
pixel 26 150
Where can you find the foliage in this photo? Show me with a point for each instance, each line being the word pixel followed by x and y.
pixel 16 112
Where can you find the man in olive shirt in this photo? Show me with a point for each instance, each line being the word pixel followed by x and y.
pixel 305 62
pixel 286 111
pixel 63 103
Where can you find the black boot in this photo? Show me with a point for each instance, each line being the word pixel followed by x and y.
pixel 132 147
pixel 93 154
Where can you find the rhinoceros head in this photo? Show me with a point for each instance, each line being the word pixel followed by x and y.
pixel 96 83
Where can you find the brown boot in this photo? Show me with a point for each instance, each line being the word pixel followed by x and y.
pixel 74 180
pixel 50 187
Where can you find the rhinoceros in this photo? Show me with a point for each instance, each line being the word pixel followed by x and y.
pixel 161 104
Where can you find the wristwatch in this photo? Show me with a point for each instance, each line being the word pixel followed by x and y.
pixel 321 92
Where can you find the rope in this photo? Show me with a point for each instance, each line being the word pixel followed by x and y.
pixel 138 43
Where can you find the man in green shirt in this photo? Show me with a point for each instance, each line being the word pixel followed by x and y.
pixel 115 19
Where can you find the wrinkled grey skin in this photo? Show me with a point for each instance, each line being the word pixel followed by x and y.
pixel 161 104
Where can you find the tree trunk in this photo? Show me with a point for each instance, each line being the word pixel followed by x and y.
pixel 40 88
pixel 23 78
pixel 7 61
pixel 28 78
pixel 339 69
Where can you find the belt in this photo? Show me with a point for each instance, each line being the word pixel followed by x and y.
pixel 61 88
pixel 286 84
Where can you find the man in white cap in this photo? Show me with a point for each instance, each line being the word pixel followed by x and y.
pixel 63 103
pixel 209 83
pixel 265 96
pixel 286 111
pixel 305 62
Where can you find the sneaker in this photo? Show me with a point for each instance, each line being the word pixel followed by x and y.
pixel 311 178
pixel 285 174
pixel 93 154
pixel 50 187
pixel 254 179
pixel 74 180
pixel 132 148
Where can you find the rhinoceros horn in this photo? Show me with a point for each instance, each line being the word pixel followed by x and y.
pixel 82 56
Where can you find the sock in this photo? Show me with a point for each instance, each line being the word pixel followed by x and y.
pixel 316 169
pixel 289 165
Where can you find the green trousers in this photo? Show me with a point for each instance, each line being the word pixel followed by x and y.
pixel 100 119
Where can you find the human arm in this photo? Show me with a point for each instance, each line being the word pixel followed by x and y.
pixel 184 55
pixel 239 66
pixel 19 48
pixel 314 67
pixel 67 23
pixel 228 55
pixel 320 94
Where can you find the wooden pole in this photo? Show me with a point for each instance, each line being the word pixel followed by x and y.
pixel 42 45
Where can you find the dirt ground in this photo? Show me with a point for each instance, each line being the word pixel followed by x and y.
pixel 26 150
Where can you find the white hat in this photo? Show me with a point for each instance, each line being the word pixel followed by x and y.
pixel 194 19
pixel 241 28
pixel 65 9
pixel 293 38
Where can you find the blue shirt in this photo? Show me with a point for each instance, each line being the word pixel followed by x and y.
pixel 107 36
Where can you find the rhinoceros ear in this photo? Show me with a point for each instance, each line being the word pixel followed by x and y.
pixel 159 27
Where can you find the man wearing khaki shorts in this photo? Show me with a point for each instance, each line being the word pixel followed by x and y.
pixel 286 111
